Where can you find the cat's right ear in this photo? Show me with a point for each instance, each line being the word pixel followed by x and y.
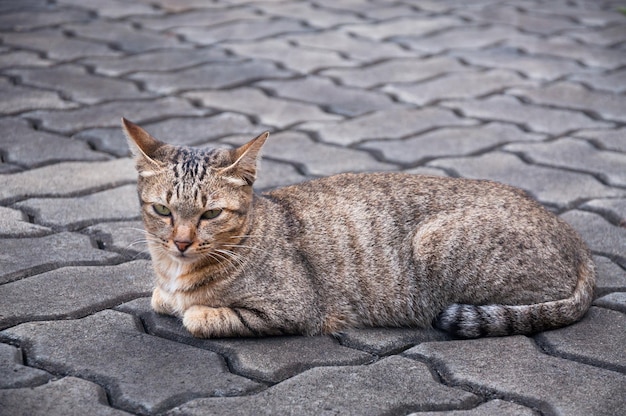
pixel 143 147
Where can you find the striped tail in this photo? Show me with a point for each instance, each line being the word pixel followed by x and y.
pixel 471 321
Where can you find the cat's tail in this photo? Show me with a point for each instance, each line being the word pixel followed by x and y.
pixel 471 321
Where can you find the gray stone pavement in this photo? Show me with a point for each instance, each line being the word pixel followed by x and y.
pixel 531 93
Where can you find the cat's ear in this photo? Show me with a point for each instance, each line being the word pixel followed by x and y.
pixel 243 169
pixel 143 147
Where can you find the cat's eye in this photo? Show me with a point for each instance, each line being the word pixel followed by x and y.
pixel 162 210
pixel 210 214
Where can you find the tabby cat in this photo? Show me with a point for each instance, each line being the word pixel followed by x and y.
pixel 476 258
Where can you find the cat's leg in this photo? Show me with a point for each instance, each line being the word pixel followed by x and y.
pixel 207 322
pixel 159 304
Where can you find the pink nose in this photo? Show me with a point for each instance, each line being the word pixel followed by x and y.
pixel 182 245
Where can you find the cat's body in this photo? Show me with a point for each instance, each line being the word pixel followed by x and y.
pixel 352 250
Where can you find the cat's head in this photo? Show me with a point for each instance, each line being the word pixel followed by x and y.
pixel 195 203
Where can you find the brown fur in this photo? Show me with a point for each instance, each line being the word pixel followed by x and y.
pixel 477 258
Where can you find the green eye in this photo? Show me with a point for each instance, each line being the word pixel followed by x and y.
pixel 162 210
pixel 210 214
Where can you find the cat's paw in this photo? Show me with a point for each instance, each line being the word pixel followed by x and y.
pixel 158 303
pixel 197 319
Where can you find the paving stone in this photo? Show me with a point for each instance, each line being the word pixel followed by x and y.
pixel 72 292
pixel 527 375
pixel 386 341
pixel 325 93
pixel 143 373
pixel 292 57
pixel 598 340
pixel 587 13
pixel 606 37
pixel 538 119
pixel 14 373
pixel 570 49
pixel 19 141
pixel 33 19
pixel 123 36
pixel 394 70
pixel 47 253
pixel 607 139
pixel 390 124
pixel 614 82
pixel 456 86
pixel 550 186
pixel 611 277
pixel 270 359
pixel 56 45
pixel 450 141
pixel 69 396
pixel 390 385
pixel 198 16
pixel 269 110
pixel 113 8
pixel 464 37
pixel 616 301
pixel 601 236
pixel 274 174
pixel 22 58
pixel 491 408
pixel 125 237
pixel 15 99
pixel 613 209
pixel 14 223
pixel 189 131
pixel 540 68
pixel 407 26
pixel 249 29
pixel 156 61
pixel 510 15
pixel 177 6
pixel 108 114
pixel 576 155
pixel 65 179
pixel 84 88
pixel 315 16
pixel 568 95
pixel 213 75
pixel 422 170
pixel 75 213
pixel 320 159
pixel 358 49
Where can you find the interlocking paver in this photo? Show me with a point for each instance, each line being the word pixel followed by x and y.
pixel 84 88
pixel 449 141
pixel 17 98
pixel 146 373
pixel 212 75
pixel 492 407
pixel 611 277
pixel 549 185
pixel 613 209
pixel 22 58
pixel 395 70
pixel 576 155
pixel 405 26
pixel 295 58
pixel 69 291
pixel 457 86
pixel 315 16
pixel 74 213
pixel 527 374
pixel 335 98
pixel 607 139
pixel 198 17
pixel 14 223
pixel 269 110
pixel 19 139
pixel 113 8
pixel 391 384
pixel 66 179
pixel 394 123
pixel 616 301
pixel 608 36
pixel 613 82
pixel 34 19
pixel 598 339
pixel 14 373
pixel 384 341
pixel 108 114
pixel 567 95
pixel 125 237
pixel 69 396
pixel 538 119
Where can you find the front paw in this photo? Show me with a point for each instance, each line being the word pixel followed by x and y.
pixel 158 303
pixel 197 320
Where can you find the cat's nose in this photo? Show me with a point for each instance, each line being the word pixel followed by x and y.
pixel 182 245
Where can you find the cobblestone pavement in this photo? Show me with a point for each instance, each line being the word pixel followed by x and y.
pixel 531 93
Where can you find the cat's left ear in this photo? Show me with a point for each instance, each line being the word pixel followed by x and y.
pixel 243 169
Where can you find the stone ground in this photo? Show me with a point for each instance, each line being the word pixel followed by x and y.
pixel 531 93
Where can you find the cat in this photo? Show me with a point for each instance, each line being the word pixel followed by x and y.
pixel 472 257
